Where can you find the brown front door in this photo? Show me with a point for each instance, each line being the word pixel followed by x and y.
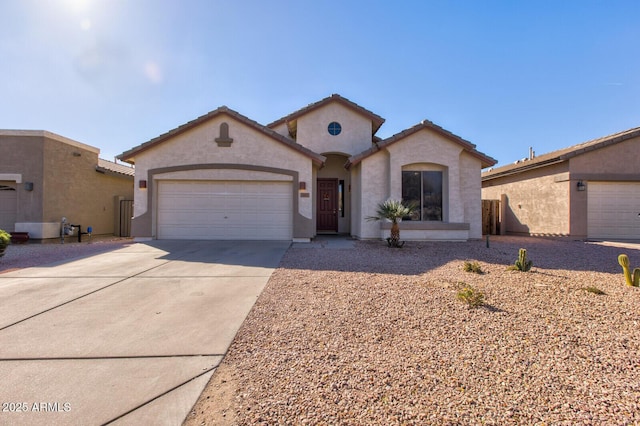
pixel 327 204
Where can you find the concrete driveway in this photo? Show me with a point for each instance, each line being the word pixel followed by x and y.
pixel 131 336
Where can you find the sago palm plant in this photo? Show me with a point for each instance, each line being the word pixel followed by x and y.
pixel 393 210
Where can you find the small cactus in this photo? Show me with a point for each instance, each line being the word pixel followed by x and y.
pixel 634 280
pixel 522 264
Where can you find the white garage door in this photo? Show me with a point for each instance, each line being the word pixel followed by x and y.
pixel 613 210
pixel 225 210
pixel 8 208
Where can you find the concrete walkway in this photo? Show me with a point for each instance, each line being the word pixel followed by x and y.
pixel 130 336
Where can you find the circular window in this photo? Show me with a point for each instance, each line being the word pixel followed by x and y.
pixel 334 128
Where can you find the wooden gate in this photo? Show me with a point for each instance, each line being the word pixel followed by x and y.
pixel 490 217
pixel 126 213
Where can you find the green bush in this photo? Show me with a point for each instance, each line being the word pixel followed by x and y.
pixel 469 295
pixel 594 290
pixel 472 267
pixel 5 238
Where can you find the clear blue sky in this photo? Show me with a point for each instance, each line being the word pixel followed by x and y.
pixel 504 75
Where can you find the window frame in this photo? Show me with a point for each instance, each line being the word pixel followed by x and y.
pixel 334 128
pixel 423 170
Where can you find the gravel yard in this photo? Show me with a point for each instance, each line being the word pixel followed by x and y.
pixel 31 254
pixel 373 335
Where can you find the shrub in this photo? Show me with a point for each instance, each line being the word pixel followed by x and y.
pixel 594 290
pixel 472 267
pixel 469 295
pixel 5 238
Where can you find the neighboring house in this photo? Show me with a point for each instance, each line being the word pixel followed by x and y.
pixel 587 191
pixel 318 170
pixel 44 177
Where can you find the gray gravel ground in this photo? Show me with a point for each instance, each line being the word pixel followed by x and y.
pixel 31 254
pixel 373 335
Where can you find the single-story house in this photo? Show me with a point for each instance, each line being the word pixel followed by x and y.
pixel 586 191
pixel 321 169
pixel 45 177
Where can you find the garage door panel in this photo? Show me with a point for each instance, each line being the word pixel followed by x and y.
pixel 612 210
pixel 224 210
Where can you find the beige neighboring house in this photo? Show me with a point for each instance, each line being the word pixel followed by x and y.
pixel 321 169
pixel 587 191
pixel 44 177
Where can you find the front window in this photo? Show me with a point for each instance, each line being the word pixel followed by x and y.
pixel 424 188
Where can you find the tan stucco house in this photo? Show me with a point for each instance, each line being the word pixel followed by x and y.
pixel 321 169
pixel 586 191
pixel 45 176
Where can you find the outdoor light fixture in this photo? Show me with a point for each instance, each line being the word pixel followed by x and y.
pixel 581 186
pixel 28 186
pixel 303 186
pixel 142 184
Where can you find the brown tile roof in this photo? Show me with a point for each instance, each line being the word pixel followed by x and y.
pixel 560 155
pixel 129 156
pixel 106 166
pixel 291 119
pixel 425 124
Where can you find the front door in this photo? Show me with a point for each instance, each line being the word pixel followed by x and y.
pixel 327 205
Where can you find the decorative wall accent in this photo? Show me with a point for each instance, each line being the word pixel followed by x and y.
pixel 224 140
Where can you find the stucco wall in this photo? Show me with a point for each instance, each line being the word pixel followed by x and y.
pixel 616 159
pixel 74 189
pixel 354 138
pixel 22 155
pixel 356 200
pixel 425 150
pixel 65 183
pixel 374 185
pixel 537 201
pixel 428 147
pixel 471 190
pixel 197 146
pixel 614 163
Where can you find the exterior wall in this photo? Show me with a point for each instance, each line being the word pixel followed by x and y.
pixel 616 159
pixel 425 147
pixel 75 190
pixel 382 179
pixel 374 189
pixel 617 162
pixel 21 160
pixel 282 129
pixel 196 149
pixel 537 201
pixel 356 201
pixel 471 190
pixel 65 183
pixel 354 138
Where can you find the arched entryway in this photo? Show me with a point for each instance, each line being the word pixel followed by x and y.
pixel 333 196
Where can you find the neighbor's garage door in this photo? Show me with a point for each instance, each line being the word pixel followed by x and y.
pixel 225 210
pixel 612 210
pixel 8 208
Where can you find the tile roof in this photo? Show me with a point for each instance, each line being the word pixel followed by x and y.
pixel 129 156
pixel 560 155
pixel 424 124
pixel 106 166
pixel 376 120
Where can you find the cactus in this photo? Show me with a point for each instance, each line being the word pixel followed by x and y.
pixel 522 264
pixel 634 280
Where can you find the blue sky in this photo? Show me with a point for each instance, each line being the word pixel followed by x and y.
pixel 505 75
